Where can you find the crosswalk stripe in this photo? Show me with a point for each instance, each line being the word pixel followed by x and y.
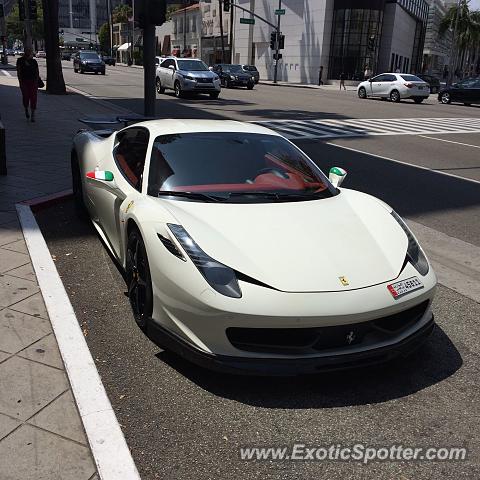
pixel 330 128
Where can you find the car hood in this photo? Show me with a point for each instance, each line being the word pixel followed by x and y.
pixel 197 74
pixel 300 246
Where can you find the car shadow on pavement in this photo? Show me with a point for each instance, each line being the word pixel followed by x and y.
pixel 432 363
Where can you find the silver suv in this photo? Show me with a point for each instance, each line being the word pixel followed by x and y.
pixel 186 75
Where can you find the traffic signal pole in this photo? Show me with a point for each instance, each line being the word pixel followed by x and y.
pixel 275 72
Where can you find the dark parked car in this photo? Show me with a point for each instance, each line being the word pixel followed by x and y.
pixel 66 56
pixel 233 76
pixel 467 91
pixel 86 61
pixel 252 70
pixel 109 60
pixel 432 81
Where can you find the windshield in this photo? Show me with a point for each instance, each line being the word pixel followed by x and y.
pixel 226 166
pixel 250 68
pixel 90 56
pixel 411 78
pixel 192 65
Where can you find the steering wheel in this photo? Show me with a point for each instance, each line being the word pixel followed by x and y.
pixel 275 171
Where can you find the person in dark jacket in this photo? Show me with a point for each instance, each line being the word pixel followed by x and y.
pixel 27 72
pixel 343 77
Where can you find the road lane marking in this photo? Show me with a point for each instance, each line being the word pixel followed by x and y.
pixel 6 73
pixel 109 448
pixel 450 141
pixel 456 263
pixel 381 157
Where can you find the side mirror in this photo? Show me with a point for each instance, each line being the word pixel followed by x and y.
pixel 337 176
pixel 171 67
pixel 103 175
pixel 370 80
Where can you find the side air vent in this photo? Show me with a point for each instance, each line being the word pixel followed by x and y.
pixel 171 247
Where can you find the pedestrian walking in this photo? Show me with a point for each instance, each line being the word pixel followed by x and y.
pixel 320 75
pixel 368 72
pixel 343 77
pixel 28 77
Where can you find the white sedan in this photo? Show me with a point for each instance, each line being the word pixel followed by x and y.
pixel 240 254
pixel 395 86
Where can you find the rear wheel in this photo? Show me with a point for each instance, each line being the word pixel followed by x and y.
pixel 418 100
pixel 250 85
pixel 158 86
pixel 77 188
pixel 445 98
pixel 138 279
pixel 395 96
pixel 75 69
pixel 362 93
pixel 468 104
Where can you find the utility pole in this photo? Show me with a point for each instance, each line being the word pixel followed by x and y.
pixel 220 16
pixel 231 31
pixel 149 69
pixel 110 26
pixel 133 32
pixel 275 72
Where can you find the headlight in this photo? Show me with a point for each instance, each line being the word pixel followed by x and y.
pixel 232 77
pixel 414 252
pixel 189 78
pixel 219 276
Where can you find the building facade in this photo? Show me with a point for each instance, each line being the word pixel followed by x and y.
pixel 186 31
pixel 437 49
pixel 342 36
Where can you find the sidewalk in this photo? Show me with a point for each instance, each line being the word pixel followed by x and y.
pixel 350 88
pixel 41 434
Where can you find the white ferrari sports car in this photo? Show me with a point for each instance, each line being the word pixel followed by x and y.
pixel 242 255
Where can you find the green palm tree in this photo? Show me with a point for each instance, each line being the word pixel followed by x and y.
pixel 466 27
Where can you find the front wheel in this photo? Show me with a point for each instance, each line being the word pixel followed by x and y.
pixel 250 86
pixel 445 98
pixel 138 279
pixel 394 96
pixel 362 93
pixel 77 188
pixel 214 95
pixel 178 90
pixel 103 72
pixel 418 100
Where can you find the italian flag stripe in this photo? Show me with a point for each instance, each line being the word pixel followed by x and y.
pixel 100 175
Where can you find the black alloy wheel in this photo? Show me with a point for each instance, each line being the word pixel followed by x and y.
pixel 138 279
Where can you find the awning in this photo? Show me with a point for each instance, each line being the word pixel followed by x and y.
pixel 125 46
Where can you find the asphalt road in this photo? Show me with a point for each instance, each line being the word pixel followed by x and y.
pixel 182 422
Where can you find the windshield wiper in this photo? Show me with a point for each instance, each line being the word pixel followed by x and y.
pixel 281 196
pixel 192 195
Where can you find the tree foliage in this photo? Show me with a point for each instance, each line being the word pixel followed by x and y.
pixel 104 37
pixel 122 13
pixel 15 26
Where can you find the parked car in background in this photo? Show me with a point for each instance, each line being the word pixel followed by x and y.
pixel 109 60
pixel 467 91
pixel 66 56
pixel 395 86
pixel 234 76
pixel 88 61
pixel 10 52
pixel 434 82
pixel 18 52
pixel 41 54
pixel 184 75
pixel 252 70
pixel 159 60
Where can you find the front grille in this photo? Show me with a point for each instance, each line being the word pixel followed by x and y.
pixel 170 246
pixel 205 80
pixel 317 339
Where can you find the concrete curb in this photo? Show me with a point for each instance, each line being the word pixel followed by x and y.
pixel 107 443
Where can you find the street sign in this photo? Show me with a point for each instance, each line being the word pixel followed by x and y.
pixel 280 11
pixel 249 21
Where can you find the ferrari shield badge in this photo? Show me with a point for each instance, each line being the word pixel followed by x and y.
pixel 343 281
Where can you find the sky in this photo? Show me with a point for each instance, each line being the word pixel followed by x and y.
pixel 475 5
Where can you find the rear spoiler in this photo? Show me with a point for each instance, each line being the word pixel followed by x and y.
pixel 96 121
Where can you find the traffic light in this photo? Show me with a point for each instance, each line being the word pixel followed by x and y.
pixel 21 10
pixel 273 40
pixel 281 42
pixel 371 43
pixel 32 9
pixel 150 12
pixel 226 5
